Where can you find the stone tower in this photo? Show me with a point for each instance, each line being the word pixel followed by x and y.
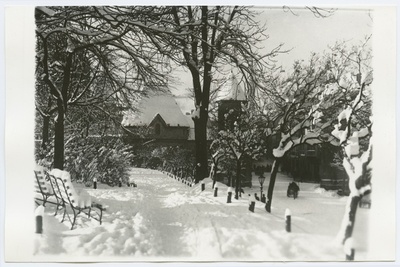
pixel 232 97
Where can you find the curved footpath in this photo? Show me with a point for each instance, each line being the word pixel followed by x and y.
pixel 163 219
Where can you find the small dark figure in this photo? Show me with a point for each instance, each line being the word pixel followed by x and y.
pixel 293 190
pixel 132 184
pixel 256 197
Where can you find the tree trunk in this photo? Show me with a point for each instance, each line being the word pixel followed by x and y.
pixel 215 172
pixel 350 216
pixel 238 182
pixel 359 187
pixel 59 139
pixel 200 128
pixel 62 109
pixel 271 185
pixel 45 131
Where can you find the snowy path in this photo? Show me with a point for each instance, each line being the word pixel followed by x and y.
pixel 164 219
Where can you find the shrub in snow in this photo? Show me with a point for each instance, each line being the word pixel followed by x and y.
pixel 105 161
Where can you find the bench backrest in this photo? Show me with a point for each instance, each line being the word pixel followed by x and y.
pixel 61 180
pixel 41 185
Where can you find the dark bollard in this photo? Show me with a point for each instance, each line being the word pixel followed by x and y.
pixel 288 218
pixel 203 186
pixel 215 190
pixel 95 183
pixel 229 199
pixel 263 198
pixel 120 182
pixel 39 212
pixel 252 203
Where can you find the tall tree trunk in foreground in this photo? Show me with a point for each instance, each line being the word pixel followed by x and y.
pixel 62 109
pixel 45 131
pixel 238 180
pixel 200 126
pixel 274 172
pixel 59 139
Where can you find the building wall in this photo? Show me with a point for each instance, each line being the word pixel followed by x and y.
pixel 160 131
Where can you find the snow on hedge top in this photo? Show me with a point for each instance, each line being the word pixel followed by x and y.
pixel 162 104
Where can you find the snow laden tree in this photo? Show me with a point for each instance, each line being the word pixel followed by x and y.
pixel 353 132
pixel 91 55
pixel 304 105
pixel 242 140
pixel 216 154
pixel 206 40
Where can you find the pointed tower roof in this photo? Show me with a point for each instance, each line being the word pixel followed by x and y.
pixel 232 90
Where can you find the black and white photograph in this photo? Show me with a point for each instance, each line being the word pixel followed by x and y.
pixel 199 133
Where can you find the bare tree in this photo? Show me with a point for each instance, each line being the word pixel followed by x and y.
pixel 79 47
pixel 353 132
pixel 206 40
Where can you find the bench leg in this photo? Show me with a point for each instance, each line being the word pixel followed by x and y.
pixel 74 219
pixel 65 213
pixel 101 215
pixel 57 208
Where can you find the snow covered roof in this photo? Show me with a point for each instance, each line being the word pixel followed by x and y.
pixel 162 104
pixel 232 90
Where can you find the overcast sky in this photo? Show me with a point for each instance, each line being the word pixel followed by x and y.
pixel 303 33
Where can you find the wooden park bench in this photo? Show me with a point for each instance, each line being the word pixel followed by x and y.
pixel 71 200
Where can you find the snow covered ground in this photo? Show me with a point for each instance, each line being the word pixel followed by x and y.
pixel 163 219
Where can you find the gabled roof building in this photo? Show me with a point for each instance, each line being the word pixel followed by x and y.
pixel 161 116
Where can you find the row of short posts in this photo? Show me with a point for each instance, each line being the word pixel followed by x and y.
pixel 288 214
pixel 178 174
pixel 252 202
